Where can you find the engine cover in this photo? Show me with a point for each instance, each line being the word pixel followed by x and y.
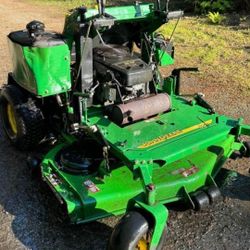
pixel 127 69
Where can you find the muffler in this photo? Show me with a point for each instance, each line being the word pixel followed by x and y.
pixel 140 109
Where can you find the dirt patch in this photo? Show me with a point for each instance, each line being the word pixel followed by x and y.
pixel 28 217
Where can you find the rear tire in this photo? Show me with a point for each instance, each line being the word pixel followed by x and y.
pixel 131 233
pixel 22 120
pixel 247 145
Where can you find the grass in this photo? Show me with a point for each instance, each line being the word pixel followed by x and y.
pixel 216 49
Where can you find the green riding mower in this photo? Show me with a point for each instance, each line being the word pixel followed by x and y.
pixel 125 140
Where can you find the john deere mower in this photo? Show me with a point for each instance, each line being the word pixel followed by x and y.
pixel 125 140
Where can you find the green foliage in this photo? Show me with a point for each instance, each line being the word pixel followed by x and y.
pixel 215 17
pixel 205 6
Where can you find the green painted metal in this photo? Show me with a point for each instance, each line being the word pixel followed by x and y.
pixel 169 85
pixel 159 160
pixel 172 148
pixel 125 13
pixel 160 215
pixel 122 186
pixel 205 148
pixel 144 14
pixel 244 129
pixel 159 153
pixel 42 71
pixel 163 57
pixel 163 126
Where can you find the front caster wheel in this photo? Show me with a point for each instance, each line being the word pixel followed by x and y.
pixel 214 194
pixel 201 200
pixel 133 233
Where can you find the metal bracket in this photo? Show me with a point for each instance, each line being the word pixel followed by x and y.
pixel 243 129
pixel 188 197
pixel 200 101
pixel 103 22
pixel 146 171
pixel 210 181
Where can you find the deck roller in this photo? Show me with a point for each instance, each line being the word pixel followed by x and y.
pixel 141 109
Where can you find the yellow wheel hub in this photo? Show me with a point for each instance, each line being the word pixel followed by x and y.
pixel 142 245
pixel 11 118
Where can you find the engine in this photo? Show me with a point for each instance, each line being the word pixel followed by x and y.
pixel 120 76
pixel 124 85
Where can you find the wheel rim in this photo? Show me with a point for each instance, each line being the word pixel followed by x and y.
pixel 11 118
pixel 142 244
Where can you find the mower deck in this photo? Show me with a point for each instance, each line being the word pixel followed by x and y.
pixel 170 136
pixel 179 158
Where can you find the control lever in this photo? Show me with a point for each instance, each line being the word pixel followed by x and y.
pixel 199 99
pixel 101 7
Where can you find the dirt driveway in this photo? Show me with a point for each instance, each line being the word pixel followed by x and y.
pixel 28 218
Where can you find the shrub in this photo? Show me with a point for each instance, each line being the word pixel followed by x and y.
pixel 215 17
pixel 205 6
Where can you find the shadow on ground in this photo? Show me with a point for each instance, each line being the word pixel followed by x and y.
pixel 31 211
pixel 234 185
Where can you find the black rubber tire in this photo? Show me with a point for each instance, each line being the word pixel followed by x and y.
pixel 214 194
pixel 247 145
pixel 130 229
pixel 29 119
pixel 201 200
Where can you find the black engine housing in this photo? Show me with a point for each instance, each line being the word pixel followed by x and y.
pixel 128 69
pixel 122 75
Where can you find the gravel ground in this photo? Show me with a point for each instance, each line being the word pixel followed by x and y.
pixel 28 215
